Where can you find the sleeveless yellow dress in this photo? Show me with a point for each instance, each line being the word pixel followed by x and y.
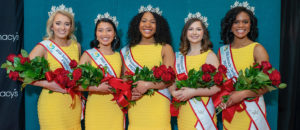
pixel 149 112
pixel 243 58
pixel 101 113
pixel 186 117
pixel 54 109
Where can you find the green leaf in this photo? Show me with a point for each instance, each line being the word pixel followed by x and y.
pixel 17 62
pixel 262 77
pixel 270 88
pixel 198 98
pixel 24 53
pixel 282 86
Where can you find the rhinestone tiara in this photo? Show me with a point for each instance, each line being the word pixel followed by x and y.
pixel 149 8
pixel 198 16
pixel 60 7
pixel 106 15
pixel 243 4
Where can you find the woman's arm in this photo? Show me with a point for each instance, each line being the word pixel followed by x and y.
pixel 260 54
pixel 40 51
pixel 168 60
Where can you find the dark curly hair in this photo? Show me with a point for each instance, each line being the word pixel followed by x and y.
pixel 115 44
pixel 226 34
pixel 206 44
pixel 161 36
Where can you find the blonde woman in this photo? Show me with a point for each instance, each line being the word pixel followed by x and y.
pixel 54 109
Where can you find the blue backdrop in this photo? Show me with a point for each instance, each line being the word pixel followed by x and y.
pixel 36 15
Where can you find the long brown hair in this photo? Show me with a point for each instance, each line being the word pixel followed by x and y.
pixel 206 44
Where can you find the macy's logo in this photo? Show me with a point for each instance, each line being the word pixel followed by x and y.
pixel 9 94
pixel 9 37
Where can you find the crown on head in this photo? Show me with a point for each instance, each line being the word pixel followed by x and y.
pixel 106 15
pixel 149 8
pixel 60 7
pixel 198 16
pixel 243 4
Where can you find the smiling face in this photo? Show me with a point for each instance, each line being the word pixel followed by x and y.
pixel 61 26
pixel 147 25
pixel 241 26
pixel 105 33
pixel 195 33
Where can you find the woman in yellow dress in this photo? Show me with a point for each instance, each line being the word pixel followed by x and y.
pixel 149 45
pixel 239 32
pixel 195 50
pixel 101 112
pixel 54 109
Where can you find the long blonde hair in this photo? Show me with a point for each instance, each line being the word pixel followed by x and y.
pixel 49 32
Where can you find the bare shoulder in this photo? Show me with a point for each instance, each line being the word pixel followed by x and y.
pixel 38 50
pixel 212 59
pixel 167 47
pixel 85 58
pixel 260 53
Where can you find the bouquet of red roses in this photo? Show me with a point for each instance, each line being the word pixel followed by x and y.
pixel 255 78
pixel 156 74
pixel 20 67
pixel 206 77
pixel 258 77
pixel 66 79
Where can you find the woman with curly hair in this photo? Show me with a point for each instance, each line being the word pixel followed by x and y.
pixel 239 33
pixel 195 50
pixel 149 45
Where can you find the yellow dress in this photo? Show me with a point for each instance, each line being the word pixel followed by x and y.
pixel 186 117
pixel 54 109
pixel 101 113
pixel 243 58
pixel 149 112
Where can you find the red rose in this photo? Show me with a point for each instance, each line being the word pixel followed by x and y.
pixel 222 69
pixel 157 72
pixel 208 68
pixel 163 68
pixel 206 77
pixel 129 73
pixel 171 70
pixel 62 80
pixel 61 71
pixel 11 57
pixel 77 74
pixel 182 76
pixel 212 68
pixel 71 84
pixel 266 65
pixel 205 68
pixel 218 78
pixel 13 75
pixel 73 64
pixel 275 77
pixel 24 59
pixel 166 77
pixel 257 66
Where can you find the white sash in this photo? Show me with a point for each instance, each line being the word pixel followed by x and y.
pixel 100 60
pixel 131 65
pixel 256 111
pixel 57 53
pixel 203 113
